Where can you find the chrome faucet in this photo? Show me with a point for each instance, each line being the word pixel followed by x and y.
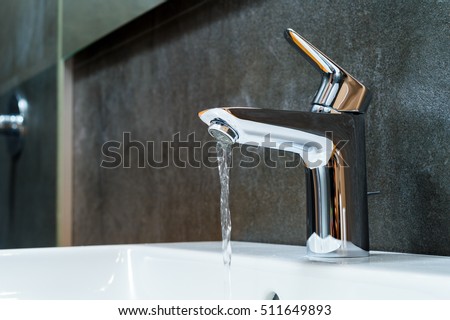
pixel 13 124
pixel 331 141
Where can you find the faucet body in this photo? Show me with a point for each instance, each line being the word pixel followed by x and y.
pixel 332 147
pixel 331 141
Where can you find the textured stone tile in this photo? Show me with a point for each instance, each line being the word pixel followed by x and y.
pixel 234 53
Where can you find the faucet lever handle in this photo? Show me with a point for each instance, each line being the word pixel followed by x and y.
pixel 339 91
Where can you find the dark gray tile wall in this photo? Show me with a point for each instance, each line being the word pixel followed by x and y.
pixel 28 184
pixel 233 53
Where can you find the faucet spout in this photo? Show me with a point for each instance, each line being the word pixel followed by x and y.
pixel 254 126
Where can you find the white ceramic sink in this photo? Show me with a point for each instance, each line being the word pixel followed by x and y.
pixel 195 271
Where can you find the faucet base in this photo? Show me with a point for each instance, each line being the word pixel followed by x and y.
pixel 330 247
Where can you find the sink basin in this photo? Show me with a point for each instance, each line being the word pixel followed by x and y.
pixel 195 271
